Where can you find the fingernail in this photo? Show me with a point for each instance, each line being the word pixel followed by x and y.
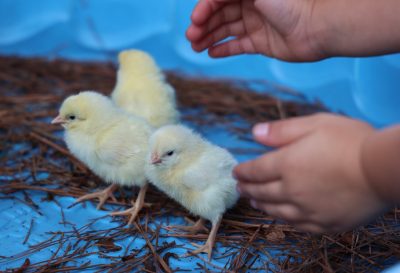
pixel 261 130
pixel 253 203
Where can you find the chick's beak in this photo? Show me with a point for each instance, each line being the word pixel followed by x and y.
pixel 58 120
pixel 155 159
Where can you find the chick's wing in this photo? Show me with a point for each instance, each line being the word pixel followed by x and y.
pixel 116 146
pixel 196 178
pixel 213 165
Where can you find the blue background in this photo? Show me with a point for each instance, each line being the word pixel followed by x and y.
pixel 97 30
pixel 364 88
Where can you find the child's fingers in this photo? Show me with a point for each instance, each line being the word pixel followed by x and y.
pixel 228 13
pixel 225 16
pixel 236 46
pixel 284 211
pixel 194 33
pixel 205 9
pixel 271 192
pixel 309 227
pixel 280 133
pixel 224 31
pixel 263 169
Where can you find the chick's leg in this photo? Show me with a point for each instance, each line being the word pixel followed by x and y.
pixel 101 195
pixel 193 229
pixel 208 246
pixel 136 206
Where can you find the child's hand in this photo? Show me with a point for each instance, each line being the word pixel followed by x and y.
pixel 314 180
pixel 295 30
pixel 282 29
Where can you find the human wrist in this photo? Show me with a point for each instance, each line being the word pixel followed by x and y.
pixel 351 29
pixel 320 30
pixel 380 161
pixel 334 28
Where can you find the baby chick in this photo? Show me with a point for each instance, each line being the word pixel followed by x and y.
pixel 112 143
pixel 141 89
pixel 195 173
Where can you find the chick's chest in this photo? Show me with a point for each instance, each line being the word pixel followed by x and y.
pixel 174 186
pixel 81 145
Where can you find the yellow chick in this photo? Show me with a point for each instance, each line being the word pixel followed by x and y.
pixel 141 89
pixel 195 173
pixel 111 142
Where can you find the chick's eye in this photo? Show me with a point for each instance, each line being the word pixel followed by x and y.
pixel 71 117
pixel 169 153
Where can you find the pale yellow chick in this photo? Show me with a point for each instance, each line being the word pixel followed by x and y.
pixel 111 142
pixel 141 89
pixel 195 173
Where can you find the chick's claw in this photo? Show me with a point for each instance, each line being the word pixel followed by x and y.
pixel 195 228
pixel 101 195
pixel 136 206
pixel 206 248
pixel 132 212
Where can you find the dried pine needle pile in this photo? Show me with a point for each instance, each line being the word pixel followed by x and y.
pixel 31 91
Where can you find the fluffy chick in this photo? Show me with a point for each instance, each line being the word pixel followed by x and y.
pixel 141 89
pixel 111 142
pixel 195 173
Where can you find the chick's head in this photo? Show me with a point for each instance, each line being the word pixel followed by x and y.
pixel 136 62
pixel 174 144
pixel 84 111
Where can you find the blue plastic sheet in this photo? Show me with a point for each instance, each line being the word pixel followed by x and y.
pixel 86 29
pixel 364 88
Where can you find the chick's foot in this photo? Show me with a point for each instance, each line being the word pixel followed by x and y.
pixel 208 246
pixel 136 206
pixel 101 195
pixel 194 228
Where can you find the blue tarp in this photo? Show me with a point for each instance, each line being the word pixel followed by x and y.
pixel 363 88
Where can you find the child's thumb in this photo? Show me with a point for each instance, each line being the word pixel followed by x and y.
pixel 280 133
